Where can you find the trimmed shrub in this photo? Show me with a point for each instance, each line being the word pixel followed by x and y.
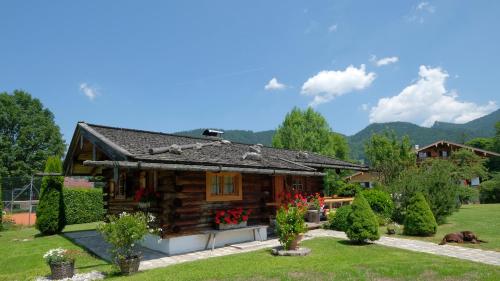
pixel 50 218
pixel 419 220
pixel 83 205
pixel 380 202
pixel 338 220
pixel 362 222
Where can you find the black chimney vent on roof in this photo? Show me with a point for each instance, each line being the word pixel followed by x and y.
pixel 212 133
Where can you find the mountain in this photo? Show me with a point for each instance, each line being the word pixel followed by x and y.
pixel 460 133
pixel 242 136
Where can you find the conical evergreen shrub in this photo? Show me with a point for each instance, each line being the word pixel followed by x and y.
pixel 419 220
pixel 50 217
pixel 362 222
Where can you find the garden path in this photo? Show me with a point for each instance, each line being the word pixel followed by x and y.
pixel 152 259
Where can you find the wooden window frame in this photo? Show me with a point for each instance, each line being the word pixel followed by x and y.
pixel 237 179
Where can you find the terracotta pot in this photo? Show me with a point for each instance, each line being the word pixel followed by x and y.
pixel 62 270
pixel 295 242
pixel 129 265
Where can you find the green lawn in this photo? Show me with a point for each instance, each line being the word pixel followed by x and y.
pixel 482 219
pixel 22 250
pixel 330 259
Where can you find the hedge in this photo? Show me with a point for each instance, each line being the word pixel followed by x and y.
pixel 83 205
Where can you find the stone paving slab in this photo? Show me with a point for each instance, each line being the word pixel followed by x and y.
pixel 152 259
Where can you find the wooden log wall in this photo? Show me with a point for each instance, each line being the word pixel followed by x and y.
pixel 183 208
pixel 188 211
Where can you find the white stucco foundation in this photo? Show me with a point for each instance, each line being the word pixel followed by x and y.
pixel 198 242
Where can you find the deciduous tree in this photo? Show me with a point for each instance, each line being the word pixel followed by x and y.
pixel 308 130
pixel 28 135
pixel 388 157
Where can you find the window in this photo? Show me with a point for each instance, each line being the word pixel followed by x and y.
pixel 223 186
pixel 422 155
pixel 121 191
pixel 444 153
pixel 298 184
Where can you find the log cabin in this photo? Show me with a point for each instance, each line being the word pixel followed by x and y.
pixel 193 179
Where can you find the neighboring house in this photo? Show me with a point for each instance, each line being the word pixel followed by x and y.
pixel 77 182
pixel 194 178
pixel 366 179
pixel 444 149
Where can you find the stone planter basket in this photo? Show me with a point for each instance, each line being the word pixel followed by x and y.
pixel 62 270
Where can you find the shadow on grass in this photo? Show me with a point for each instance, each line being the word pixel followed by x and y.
pixel 354 243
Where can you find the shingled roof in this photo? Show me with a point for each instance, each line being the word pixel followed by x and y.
pixel 155 147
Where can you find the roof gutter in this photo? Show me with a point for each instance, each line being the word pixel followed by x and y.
pixel 196 168
pixel 347 167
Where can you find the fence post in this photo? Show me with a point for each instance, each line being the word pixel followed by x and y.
pixel 31 196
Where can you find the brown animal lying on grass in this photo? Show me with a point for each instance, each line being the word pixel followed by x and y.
pixel 461 237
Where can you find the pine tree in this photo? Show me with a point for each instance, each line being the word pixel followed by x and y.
pixel 362 222
pixel 50 211
pixel 419 219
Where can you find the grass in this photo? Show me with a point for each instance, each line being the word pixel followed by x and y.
pixel 481 219
pixel 22 250
pixel 331 259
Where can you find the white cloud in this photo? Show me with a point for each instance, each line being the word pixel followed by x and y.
pixel 425 6
pixel 419 12
pixel 332 28
pixel 383 61
pixel 88 91
pixel 273 84
pixel 426 101
pixel 328 84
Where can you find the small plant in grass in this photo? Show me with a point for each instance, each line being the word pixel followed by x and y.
pixel 362 222
pixel 290 225
pixel 393 228
pixel 419 220
pixel 123 232
pixel 338 219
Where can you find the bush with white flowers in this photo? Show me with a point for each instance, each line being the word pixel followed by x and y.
pixel 57 256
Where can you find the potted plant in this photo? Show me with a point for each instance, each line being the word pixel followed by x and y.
pixel 233 218
pixel 123 232
pixel 146 196
pixel 316 203
pixel 290 226
pixel 61 262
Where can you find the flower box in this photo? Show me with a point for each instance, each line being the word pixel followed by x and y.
pixel 225 226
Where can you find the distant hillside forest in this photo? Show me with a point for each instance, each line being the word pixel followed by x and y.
pixel 460 133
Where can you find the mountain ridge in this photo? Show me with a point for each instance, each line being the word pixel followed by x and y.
pixel 481 127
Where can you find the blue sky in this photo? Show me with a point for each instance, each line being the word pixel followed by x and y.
pixel 178 65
